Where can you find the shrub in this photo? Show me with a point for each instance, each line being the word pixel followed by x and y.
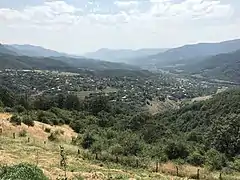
pixel 196 159
pixel 176 150
pixel 22 133
pixel 47 130
pixel 215 160
pixel 1 104
pixel 236 164
pixel 28 120
pixel 48 118
pixel 53 136
pixel 15 119
pixel 87 141
pixel 22 172
pixel 8 109
pixel 19 109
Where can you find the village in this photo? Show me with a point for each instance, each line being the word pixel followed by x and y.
pixel 137 89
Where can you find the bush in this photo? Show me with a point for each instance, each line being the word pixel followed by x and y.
pixel 15 119
pixel 87 141
pixel 235 165
pixel 47 130
pixel 8 109
pixel 176 150
pixel 196 159
pixel 48 118
pixel 22 172
pixel 215 160
pixel 1 104
pixel 28 120
pixel 22 133
pixel 53 136
pixel 19 109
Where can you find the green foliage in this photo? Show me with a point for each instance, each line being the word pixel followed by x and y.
pixel 22 172
pixel 196 159
pixel 215 160
pixel 7 97
pixel 1 104
pixel 176 150
pixel 48 118
pixel 15 119
pixel 87 141
pixel 19 109
pixel 224 135
pixel 28 120
pixel 235 165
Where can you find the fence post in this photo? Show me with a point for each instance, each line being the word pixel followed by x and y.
pixel 156 166
pixel 28 139
pixel 14 135
pixel 137 163
pixel 198 174
pixel 220 176
pixel 177 170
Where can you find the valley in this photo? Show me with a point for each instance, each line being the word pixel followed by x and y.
pixel 108 120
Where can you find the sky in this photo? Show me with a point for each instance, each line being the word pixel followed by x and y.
pixel 80 26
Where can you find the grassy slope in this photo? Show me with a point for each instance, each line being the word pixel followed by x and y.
pixel 46 156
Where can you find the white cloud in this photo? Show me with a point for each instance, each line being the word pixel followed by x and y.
pixel 126 4
pixel 190 9
pixel 51 12
pixel 127 23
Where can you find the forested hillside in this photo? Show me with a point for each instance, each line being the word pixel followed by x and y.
pixel 23 62
pixel 188 53
pixel 222 66
pixel 13 61
pixel 202 133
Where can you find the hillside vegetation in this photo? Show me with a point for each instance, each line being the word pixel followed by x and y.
pixel 222 66
pixel 179 55
pixel 203 134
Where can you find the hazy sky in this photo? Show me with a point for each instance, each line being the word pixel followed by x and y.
pixel 78 26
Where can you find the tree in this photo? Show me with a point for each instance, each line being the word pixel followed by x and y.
pixel 224 135
pixel 175 150
pixel 15 119
pixel 116 150
pixel 1 104
pixel 28 120
pixel 196 159
pixel 7 97
pixel 22 172
pixel 72 102
pixel 97 147
pixel 87 141
pixel 215 160
pixel 19 109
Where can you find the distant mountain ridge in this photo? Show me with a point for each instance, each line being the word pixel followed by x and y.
pixel 181 54
pixel 122 55
pixel 36 57
pixel 35 51
pixel 5 50
pixel 224 66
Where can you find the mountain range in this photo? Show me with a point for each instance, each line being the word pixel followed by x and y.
pixel 224 66
pixel 30 57
pixel 187 53
pixel 213 60
pixel 122 55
